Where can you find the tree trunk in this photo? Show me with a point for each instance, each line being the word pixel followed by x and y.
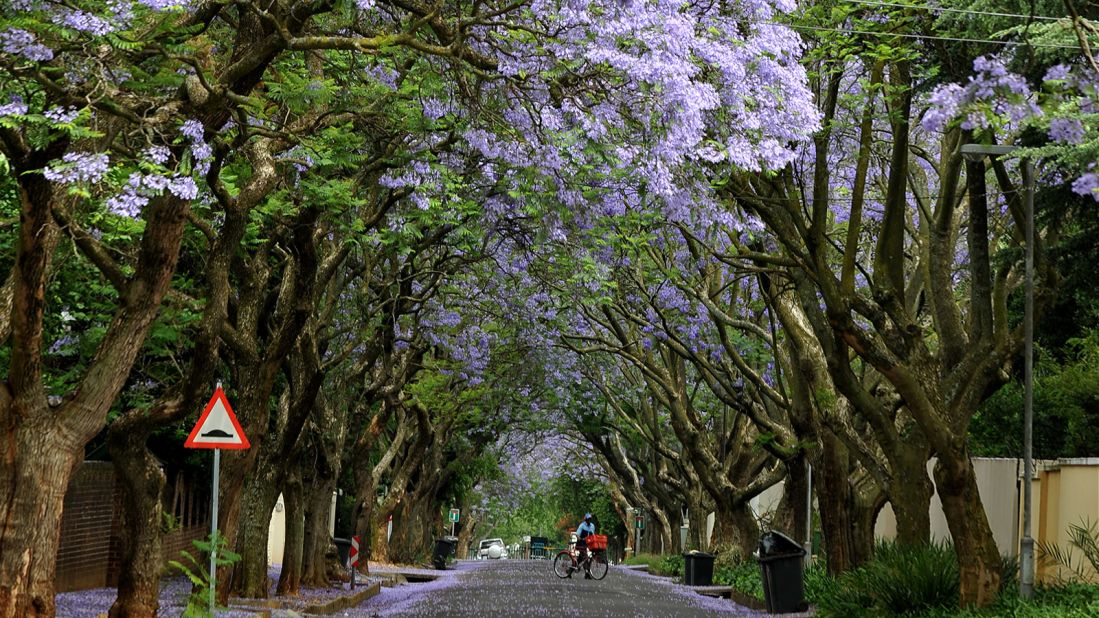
pixel 465 536
pixel 260 496
pixel 735 526
pixel 790 515
pixel 379 541
pixel 290 577
pixel 848 536
pixel 978 558
pixel 316 541
pixel 142 558
pixel 660 539
pixel 910 496
pixel 38 465
pixel 237 485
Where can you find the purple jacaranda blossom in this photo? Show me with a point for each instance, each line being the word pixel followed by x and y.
pixel 1059 72
pixel 61 344
pixel 193 130
pixel 78 167
pixel 154 182
pixel 202 151
pixel 86 22
pixel 1088 184
pixel 1066 130
pixel 16 107
pixel 434 108
pixel 365 5
pixel 945 102
pixel 383 75
pixel 166 5
pixel 158 154
pixel 62 115
pixel 128 203
pixel 184 187
pixel 19 42
pixel 992 95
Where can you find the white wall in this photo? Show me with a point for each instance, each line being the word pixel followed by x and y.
pixel 276 534
pixel 997 482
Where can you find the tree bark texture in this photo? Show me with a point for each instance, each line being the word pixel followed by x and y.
pixel 978 558
pixel 849 503
pixel 260 496
pixel 317 541
pixel 38 465
pixel 142 557
pixel 290 576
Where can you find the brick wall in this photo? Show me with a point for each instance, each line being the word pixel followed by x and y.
pixel 89 553
pixel 91 501
pixel 179 540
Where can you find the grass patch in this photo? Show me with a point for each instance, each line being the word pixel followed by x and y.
pixel 667 566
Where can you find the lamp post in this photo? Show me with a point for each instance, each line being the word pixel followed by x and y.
pixel 975 152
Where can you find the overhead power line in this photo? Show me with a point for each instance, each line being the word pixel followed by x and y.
pixel 943 9
pixel 923 36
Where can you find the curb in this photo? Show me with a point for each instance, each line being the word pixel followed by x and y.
pixel 345 602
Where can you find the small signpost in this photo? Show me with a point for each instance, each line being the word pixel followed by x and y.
pixel 353 559
pixel 216 429
pixel 454 516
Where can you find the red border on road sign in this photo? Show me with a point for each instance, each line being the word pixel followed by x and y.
pixel 191 439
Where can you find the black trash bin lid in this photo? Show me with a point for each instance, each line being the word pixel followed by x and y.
pixel 775 543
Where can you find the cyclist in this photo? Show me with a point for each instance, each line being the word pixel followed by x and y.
pixel 583 531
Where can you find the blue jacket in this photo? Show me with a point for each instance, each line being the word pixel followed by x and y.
pixel 584 529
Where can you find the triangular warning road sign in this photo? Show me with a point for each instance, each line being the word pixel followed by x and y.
pixel 218 426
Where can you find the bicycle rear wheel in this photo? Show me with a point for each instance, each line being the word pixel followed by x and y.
pixel 599 565
pixel 562 564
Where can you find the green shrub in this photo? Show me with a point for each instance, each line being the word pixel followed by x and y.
pixel 900 580
pixel 195 570
pixel 744 576
pixel 1009 573
pixel 1069 601
pixel 647 559
pixel 670 565
pixel 818 583
pixel 732 569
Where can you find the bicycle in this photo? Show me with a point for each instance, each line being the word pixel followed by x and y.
pixel 595 564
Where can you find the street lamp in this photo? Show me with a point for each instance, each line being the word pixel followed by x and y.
pixel 976 152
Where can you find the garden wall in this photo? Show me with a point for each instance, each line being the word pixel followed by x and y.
pixel 998 480
pixel 1065 494
pixel 998 483
pixel 89 553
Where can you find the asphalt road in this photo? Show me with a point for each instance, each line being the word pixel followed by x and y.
pixel 529 588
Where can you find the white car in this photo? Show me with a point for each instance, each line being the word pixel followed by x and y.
pixel 492 548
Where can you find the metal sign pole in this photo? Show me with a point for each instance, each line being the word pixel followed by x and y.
pixel 214 529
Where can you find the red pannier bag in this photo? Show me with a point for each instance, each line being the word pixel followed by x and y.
pixel 597 541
